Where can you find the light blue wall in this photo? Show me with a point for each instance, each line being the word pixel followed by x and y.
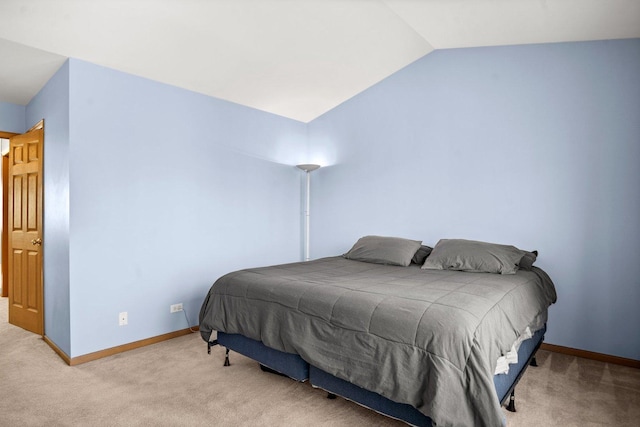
pixel 536 146
pixel 52 105
pixel 169 191
pixel 12 117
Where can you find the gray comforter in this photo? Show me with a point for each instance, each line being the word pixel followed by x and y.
pixel 428 338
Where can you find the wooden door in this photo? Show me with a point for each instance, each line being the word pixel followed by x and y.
pixel 25 231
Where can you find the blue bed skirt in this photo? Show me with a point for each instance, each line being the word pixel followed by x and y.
pixel 295 367
pixel 288 364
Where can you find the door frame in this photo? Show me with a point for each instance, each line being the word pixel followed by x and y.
pixel 5 215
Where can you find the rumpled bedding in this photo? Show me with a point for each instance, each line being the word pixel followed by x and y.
pixel 428 338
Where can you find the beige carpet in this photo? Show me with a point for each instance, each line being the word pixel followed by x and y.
pixel 176 383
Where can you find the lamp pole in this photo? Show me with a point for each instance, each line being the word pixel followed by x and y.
pixel 308 168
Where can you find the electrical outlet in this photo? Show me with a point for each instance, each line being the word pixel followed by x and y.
pixel 175 308
pixel 123 318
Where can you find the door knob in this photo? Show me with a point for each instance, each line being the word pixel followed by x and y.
pixel 36 242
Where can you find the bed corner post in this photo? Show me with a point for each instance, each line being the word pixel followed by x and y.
pixel 533 362
pixel 511 407
pixel 226 358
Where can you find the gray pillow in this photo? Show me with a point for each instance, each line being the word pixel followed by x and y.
pixel 421 255
pixel 384 250
pixel 527 260
pixel 471 255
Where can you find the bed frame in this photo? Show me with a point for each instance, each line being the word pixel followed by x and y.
pixel 295 367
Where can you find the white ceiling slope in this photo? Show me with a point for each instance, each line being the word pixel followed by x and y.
pixel 294 58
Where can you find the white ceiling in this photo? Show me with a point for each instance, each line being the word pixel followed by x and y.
pixel 294 58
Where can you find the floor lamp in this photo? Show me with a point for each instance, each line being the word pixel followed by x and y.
pixel 308 169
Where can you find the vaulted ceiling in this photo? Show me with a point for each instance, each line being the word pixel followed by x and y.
pixel 294 58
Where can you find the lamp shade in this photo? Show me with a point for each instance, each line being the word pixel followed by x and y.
pixel 308 168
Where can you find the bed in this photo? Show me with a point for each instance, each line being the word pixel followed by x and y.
pixel 415 338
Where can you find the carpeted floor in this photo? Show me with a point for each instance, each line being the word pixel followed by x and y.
pixel 177 383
